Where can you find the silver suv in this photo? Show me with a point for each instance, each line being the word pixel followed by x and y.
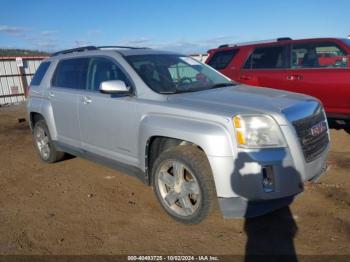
pixel 177 124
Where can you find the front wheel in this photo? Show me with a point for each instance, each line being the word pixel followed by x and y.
pixel 183 183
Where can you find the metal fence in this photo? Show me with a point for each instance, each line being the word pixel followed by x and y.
pixel 15 76
pixel 17 72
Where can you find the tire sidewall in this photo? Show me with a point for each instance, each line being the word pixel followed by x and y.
pixel 196 170
pixel 42 124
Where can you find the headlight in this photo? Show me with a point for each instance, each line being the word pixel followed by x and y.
pixel 255 131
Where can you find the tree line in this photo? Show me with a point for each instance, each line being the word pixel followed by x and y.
pixel 21 52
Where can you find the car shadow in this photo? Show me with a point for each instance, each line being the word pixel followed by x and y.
pixel 270 235
pixel 333 124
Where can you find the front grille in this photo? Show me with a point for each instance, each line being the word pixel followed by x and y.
pixel 311 144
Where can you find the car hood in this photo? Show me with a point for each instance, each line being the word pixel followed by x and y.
pixel 247 99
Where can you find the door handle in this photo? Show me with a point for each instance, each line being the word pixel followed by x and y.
pixel 86 100
pixel 246 77
pixel 51 95
pixel 294 77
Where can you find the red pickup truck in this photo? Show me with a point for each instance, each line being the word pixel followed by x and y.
pixel 316 67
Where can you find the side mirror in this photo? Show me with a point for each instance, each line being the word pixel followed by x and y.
pixel 114 87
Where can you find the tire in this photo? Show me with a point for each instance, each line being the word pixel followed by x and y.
pixel 44 145
pixel 183 184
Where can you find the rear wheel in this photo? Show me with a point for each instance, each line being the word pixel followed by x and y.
pixel 183 183
pixel 44 144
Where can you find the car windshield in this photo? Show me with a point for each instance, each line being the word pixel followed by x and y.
pixel 346 41
pixel 170 74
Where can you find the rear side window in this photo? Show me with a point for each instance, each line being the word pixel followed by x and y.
pixel 318 55
pixel 222 59
pixel 272 57
pixel 40 73
pixel 71 73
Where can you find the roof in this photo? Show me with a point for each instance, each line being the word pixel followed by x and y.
pixel 274 41
pixel 123 50
pixel 148 51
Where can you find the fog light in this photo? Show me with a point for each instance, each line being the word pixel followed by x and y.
pixel 268 180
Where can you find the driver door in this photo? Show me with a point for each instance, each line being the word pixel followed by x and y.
pixel 107 122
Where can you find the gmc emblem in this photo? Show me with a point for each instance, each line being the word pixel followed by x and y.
pixel 318 128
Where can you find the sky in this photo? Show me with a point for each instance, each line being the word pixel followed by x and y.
pixel 187 26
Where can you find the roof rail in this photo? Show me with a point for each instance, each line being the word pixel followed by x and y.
pixel 257 42
pixel 78 49
pixel 89 48
pixel 119 46
pixel 283 39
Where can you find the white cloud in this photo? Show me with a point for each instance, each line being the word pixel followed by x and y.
pixel 48 32
pixel 42 40
pixel 135 42
pixel 181 45
pixel 94 32
pixel 48 46
pixel 82 42
pixel 12 30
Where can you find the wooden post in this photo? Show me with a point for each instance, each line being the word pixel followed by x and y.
pixel 22 73
pixel 24 81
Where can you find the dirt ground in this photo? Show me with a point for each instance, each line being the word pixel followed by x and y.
pixel 79 207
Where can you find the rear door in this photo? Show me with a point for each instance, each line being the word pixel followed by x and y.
pixel 321 69
pixel 68 81
pixel 266 66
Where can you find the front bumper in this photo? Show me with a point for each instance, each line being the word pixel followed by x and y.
pixel 237 207
pixel 240 187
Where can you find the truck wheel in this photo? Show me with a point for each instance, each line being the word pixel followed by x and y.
pixel 183 183
pixel 44 144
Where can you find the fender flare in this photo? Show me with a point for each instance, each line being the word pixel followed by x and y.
pixel 212 137
pixel 45 110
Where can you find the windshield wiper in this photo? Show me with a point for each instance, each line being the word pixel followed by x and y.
pixel 222 85
pixel 179 91
pixel 168 92
pixel 188 90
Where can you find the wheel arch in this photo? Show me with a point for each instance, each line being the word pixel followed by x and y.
pixel 161 133
pixel 34 117
pixel 45 112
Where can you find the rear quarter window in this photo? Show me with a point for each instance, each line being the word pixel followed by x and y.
pixel 40 73
pixel 346 41
pixel 221 59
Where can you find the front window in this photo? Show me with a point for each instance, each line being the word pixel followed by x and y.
pixel 318 55
pixel 102 69
pixel 169 74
